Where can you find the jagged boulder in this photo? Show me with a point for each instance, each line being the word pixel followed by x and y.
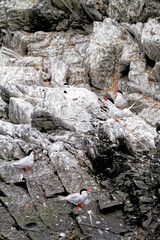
pixel 157 71
pixel 146 107
pixel 20 111
pixel 132 12
pixel 150 39
pixel 103 52
pixel 70 109
pixel 125 10
pixel 77 144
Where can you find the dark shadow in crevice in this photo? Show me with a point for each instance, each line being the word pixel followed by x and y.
pixel 22 185
pixel 2 194
pixel 125 72
pixel 149 62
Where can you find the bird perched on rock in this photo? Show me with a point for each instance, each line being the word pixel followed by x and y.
pixel 120 101
pixel 25 162
pixel 66 85
pixel 116 113
pixel 77 198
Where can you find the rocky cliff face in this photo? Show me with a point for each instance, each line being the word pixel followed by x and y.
pixel 94 46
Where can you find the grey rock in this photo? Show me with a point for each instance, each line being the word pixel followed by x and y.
pixel 26 133
pixel 8 55
pixel 127 132
pixel 125 11
pixel 119 196
pixel 23 215
pixel 20 111
pixel 60 62
pixel 150 39
pixel 148 221
pixel 59 72
pixel 31 92
pixel 3 109
pixel 103 52
pixel 92 9
pixel 8 229
pixel 157 71
pixel 101 227
pixel 13 76
pixel 52 187
pixel 108 204
pixel 72 110
pixel 65 163
pixel 50 210
pixel 140 184
pixel 107 183
pixel 77 144
pixel 146 199
pixel 136 30
pixel 36 62
pixel 10 148
pixel 60 15
pixel 143 107
pixel 151 10
pixel 139 11
pixel 25 16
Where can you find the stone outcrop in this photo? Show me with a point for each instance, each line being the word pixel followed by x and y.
pixel 60 15
pixel 47 44
pixel 150 39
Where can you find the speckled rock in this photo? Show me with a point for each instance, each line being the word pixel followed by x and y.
pixel 132 12
pixel 124 10
pixel 20 111
pixel 157 71
pixel 3 108
pixel 103 52
pixel 13 76
pixel 78 145
pixel 151 39
pixel 145 107
pixel 70 109
pixel 7 55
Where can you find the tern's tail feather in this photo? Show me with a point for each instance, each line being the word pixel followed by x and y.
pixel 61 198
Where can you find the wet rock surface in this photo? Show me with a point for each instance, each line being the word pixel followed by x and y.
pixel 49 43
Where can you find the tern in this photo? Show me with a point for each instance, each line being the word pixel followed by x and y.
pixel 25 162
pixel 120 101
pixel 77 198
pixel 117 113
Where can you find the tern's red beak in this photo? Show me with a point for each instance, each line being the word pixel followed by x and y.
pixel 34 150
pixel 89 191
pixel 105 99
pixel 115 91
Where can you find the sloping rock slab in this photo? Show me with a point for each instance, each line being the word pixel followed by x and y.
pixel 72 109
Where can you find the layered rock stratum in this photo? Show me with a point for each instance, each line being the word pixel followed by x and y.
pixel 96 46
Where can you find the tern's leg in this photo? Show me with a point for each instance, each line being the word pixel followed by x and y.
pixel 117 119
pixel 78 207
pixel 26 169
pixel 81 205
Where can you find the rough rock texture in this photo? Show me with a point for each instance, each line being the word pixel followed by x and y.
pixel 151 39
pixel 72 109
pixel 48 43
pixel 19 111
pixel 157 71
pixel 60 15
pixel 103 52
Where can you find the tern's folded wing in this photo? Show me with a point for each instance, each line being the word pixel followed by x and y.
pixel 74 198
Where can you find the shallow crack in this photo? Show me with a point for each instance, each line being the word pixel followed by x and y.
pixel 16 225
